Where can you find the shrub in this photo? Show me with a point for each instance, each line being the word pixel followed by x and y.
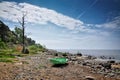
pixel 2 45
pixel 33 47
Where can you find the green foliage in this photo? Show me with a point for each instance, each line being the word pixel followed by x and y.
pixel 10 39
pixel 18 33
pixel 2 44
pixel 35 48
pixel 5 60
pixel 5 56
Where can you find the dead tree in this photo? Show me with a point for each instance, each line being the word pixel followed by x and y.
pixel 22 23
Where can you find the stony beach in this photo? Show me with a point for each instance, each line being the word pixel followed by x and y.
pixel 38 67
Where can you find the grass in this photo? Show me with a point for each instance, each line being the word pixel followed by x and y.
pixel 5 60
pixel 34 50
pixel 7 55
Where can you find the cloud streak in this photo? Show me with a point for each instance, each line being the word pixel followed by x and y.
pixel 87 9
pixel 114 24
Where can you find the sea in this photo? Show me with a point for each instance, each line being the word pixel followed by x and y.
pixel 114 54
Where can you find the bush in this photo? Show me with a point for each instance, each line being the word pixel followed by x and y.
pixel 2 45
pixel 33 47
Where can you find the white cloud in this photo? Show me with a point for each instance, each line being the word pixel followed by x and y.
pixel 105 33
pixel 13 11
pixel 115 24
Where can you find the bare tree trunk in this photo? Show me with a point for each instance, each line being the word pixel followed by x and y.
pixel 22 23
pixel 23 27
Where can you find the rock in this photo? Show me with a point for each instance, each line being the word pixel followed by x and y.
pixel 79 54
pixel 26 51
pixel 89 78
pixel 91 57
pixel 18 63
pixel 116 66
pixel 56 54
pixel 98 66
pixel 64 54
pixel 73 59
pixel 111 61
pixel 87 64
pixel 112 74
pixel 84 64
pixel 106 65
pixel 111 58
pixel 79 62
pixel 103 57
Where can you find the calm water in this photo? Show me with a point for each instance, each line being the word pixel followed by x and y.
pixel 96 53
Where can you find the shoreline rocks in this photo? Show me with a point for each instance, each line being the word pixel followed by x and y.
pixel 104 67
pixel 38 67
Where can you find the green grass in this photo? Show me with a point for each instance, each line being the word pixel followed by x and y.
pixel 34 49
pixel 5 60
pixel 6 55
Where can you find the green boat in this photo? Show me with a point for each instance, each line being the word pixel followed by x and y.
pixel 58 60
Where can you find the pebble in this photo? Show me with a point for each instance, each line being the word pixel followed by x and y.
pixel 89 78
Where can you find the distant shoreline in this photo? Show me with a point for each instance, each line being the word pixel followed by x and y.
pixel 106 54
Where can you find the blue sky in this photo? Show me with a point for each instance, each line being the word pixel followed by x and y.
pixel 67 24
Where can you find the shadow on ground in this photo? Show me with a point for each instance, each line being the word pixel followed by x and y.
pixel 60 65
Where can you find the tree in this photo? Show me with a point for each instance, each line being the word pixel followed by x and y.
pixel 22 23
pixel 18 33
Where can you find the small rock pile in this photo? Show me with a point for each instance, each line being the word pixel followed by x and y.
pixel 108 68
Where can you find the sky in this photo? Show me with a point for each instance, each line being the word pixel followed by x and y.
pixel 66 24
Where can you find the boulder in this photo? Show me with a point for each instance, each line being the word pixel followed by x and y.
pixel 111 61
pixel 56 54
pixel 79 54
pixel 106 65
pixel 26 51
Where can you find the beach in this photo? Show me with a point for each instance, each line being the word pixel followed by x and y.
pixel 78 67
